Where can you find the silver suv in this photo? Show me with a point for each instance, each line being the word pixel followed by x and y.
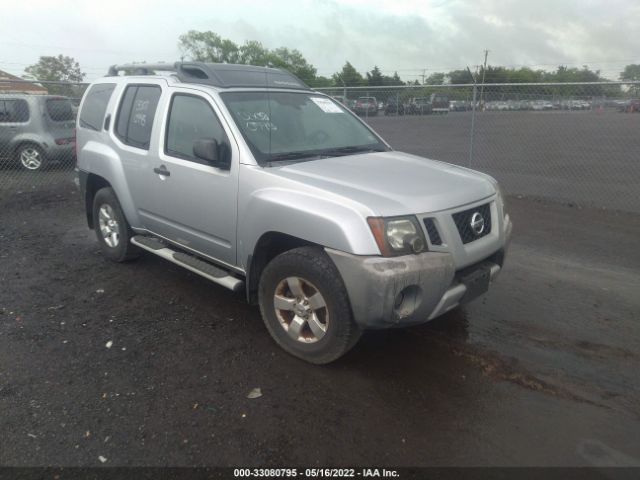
pixel 245 176
pixel 36 130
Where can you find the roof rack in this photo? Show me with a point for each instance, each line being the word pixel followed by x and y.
pixel 223 75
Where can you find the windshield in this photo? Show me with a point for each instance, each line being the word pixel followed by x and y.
pixel 60 110
pixel 294 126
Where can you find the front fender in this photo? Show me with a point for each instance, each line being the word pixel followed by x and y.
pixel 321 220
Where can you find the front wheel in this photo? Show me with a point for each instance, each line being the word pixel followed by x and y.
pixel 112 229
pixel 305 307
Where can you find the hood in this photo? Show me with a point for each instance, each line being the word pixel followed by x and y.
pixel 392 183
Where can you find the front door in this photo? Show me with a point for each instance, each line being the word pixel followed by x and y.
pixel 197 202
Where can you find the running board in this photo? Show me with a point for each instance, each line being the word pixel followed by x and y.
pixel 194 264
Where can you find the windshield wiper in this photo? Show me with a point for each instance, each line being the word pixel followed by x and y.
pixel 341 151
pixel 294 156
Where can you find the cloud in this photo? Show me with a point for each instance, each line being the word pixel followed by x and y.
pixel 403 35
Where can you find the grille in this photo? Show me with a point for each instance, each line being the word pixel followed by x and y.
pixel 463 223
pixel 432 231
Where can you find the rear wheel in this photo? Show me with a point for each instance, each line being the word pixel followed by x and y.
pixel 30 157
pixel 112 229
pixel 305 307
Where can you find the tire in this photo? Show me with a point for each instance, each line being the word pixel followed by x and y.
pixel 30 157
pixel 111 227
pixel 312 272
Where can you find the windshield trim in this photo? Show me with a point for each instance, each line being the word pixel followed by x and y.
pixel 265 160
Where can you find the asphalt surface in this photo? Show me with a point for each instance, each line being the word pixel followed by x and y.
pixel 147 364
pixel 589 158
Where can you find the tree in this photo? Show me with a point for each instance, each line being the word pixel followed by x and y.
pixel 631 73
pixel 395 80
pixel 348 76
pixel 253 53
pixel 459 77
pixel 208 47
pixel 320 82
pixel 436 78
pixel 293 61
pixel 57 69
pixel 375 78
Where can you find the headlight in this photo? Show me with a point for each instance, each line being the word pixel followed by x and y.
pixel 397 235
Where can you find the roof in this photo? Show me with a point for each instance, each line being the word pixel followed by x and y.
pixel 20 85
pixel 221 75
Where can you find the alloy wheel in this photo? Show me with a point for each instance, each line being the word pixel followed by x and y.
pixel 301 310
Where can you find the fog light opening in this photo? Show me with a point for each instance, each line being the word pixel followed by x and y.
pixel 407 301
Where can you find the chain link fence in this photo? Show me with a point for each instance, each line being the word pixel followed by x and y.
pixel 577 143
pixel 572 142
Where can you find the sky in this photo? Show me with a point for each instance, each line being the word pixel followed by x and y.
pixel 412 37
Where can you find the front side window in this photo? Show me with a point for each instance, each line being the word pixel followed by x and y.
pixel 191 118
pixel 59 109
pixel 136 114
pixel 95 105
pixel 290 126
pixel 14 111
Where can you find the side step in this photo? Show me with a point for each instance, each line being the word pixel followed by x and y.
pixel 194 264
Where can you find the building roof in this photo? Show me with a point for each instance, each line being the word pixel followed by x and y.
pixel 20 85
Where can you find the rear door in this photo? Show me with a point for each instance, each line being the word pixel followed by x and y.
pixel 135 135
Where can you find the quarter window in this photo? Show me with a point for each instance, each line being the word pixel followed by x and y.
pixel 191 118
pixel 95 105
pixel 60 110
pixel 137 111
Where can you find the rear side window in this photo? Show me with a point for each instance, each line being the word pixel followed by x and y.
pixel 191 118
pixel 136 114
pixel 14 111
pixel 95 105
pixel 59 109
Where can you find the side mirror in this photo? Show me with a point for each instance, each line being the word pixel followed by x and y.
pixel 211 151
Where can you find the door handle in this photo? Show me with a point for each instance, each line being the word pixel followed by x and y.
pixel 162 171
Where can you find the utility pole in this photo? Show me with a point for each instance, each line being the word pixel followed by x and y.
pixel 484 69
pixel 423 75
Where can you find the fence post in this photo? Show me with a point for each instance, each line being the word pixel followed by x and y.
pixel 473 123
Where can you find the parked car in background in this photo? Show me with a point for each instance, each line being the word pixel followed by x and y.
pixel 36 130
pixel 394 107
pixel 366 106
pixel 459 106
pixel 541 105
pixel 419 106
pixel 380 105
pixel 439 103
pixel 633 106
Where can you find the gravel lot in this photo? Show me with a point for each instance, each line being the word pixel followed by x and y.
pixel 543 370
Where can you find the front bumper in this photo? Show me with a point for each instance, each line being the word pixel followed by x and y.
pixel 406 290
pixel 411 289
